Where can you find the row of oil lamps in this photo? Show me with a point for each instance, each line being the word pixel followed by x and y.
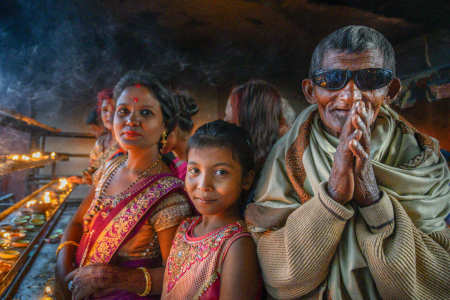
pixel 49 287
pixel 50 197
pixel 35 156
pixel 40 209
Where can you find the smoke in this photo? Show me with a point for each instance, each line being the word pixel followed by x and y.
pixel 59 53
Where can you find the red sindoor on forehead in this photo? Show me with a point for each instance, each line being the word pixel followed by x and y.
pixel 138 85
pixel 135 99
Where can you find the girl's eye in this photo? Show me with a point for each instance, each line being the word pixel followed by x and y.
pixel 193 171
pixel 146 112
pixel 221 172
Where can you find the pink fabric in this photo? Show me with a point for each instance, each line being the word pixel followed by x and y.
pixel 194 266
pixel 98 223
pixel 179 168
pixel 213 292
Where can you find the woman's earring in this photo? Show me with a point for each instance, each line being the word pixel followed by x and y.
pixel 164 138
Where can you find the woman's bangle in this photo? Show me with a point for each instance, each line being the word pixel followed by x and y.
pixel 66 243
pixel 148 282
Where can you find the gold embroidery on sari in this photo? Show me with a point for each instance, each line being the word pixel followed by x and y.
pixel 123 223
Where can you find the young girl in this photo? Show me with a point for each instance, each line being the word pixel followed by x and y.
pixel 213 255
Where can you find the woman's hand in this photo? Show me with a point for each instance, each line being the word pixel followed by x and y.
pixel 75 179
pixel 101 279
pixel 86 281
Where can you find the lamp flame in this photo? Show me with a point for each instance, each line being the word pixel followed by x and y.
pixel 31 203
pixel 62 183
pixel 47 198
pixel 36 155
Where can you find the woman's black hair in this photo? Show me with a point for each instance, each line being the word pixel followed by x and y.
pixel 92 118
pixel 223 134
pixel 186 108
pixel 164 96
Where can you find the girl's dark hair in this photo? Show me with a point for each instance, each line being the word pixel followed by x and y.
pixel 223 134
pixel 186 108
pixel 256 106
pixel 162 94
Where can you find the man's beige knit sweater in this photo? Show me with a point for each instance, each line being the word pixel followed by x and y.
pixel 404 262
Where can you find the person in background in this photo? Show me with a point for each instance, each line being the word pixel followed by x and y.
pixel 175 149
pixel 105 145
pixel 213 255
pixel 351 201
pixel 94 125
pixel 256 106
pixel 116 245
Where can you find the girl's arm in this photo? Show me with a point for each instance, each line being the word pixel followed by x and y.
pixel 240 278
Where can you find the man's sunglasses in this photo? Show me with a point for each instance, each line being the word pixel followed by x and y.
pixel 365 79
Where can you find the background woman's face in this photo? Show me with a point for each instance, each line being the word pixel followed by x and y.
pixel 107 113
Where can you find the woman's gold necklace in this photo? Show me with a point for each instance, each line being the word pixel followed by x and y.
pixel 99 201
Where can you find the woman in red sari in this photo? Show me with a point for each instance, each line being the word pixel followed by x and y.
pixel 125 234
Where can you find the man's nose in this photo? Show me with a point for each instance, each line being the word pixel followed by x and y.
pixel 350 93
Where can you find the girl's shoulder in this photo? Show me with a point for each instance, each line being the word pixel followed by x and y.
pixel 188 223
pixel 238 238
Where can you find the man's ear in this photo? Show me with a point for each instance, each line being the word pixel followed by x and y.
pixel 247 181
pixel 308 90
pixel 393 90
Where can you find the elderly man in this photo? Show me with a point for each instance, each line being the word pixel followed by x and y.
pixel 351 201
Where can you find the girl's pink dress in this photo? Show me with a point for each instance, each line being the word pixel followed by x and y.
pixel 194 265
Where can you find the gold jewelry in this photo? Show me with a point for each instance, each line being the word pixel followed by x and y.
pixel 99 201
pixel 164 138
pixel 148 282
pixel 66 243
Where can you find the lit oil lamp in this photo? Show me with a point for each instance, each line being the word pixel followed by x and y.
pixel 47 198
pixel 25 157
pixel 30 203
pixel 53 155
pixel 48 290
pixel 14 157
pixel 62 183
pixel 36 155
